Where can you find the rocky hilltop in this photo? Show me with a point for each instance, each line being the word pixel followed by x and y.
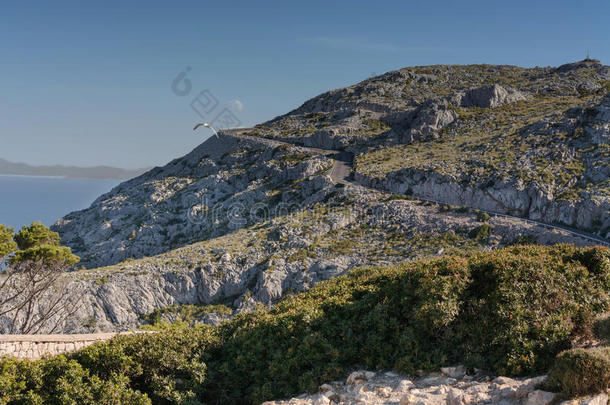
pixel 422 161
pixel 527 142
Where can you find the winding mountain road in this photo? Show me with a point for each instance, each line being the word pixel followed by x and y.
pixel 341 172
pixel 343 162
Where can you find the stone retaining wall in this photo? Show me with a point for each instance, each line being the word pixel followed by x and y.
pixel 36 346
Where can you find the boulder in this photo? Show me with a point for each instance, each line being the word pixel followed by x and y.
pixel 488 97
pixel 539 397
pixel 454 372
pixel 429 119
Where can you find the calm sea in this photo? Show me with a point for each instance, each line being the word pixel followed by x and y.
pixel 24 199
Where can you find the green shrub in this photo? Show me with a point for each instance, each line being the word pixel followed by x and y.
pixel 481 232
pixel 7 243
pixel 376 126
pixel 293 158
pixel 169 366
pixel 524 240
pixel 580 371
pixel 509 311
pixel 462 210
pixel 483 216
pixel 59 381
pixel 393 197
pixel 188 313
pixel 601 329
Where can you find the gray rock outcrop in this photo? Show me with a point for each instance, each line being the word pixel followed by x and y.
pixel 205 194
pixel 487 97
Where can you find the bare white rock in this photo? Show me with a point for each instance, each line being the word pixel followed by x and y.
pixel 540 397
pixel 404 385
pixel 362 387
pixel 355 378
pixel 454 372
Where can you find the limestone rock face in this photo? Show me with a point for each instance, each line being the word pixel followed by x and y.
pixel 599 129
pixel 207 193
pixel 506 198
pixel 488 97
pixel 429 119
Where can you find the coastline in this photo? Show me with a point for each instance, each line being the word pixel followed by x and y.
pixel 40 176
pixel 27 199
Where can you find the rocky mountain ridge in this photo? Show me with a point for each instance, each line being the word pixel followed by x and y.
pixel 256 214
pixel 526 142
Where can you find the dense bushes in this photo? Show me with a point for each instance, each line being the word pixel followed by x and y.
pixel 169 366
pixel 581 371
pixel 481 232
pixel 509 311
pixel 59 381
pixel 188 313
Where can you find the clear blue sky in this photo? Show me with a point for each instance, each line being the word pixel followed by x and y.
pixel 88 84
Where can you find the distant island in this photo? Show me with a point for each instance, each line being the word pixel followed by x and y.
pixel 95 172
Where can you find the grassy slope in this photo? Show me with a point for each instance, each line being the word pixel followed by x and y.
pixel 489 138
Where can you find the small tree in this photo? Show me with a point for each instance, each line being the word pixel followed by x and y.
pixel 7 243
pixel 33 293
